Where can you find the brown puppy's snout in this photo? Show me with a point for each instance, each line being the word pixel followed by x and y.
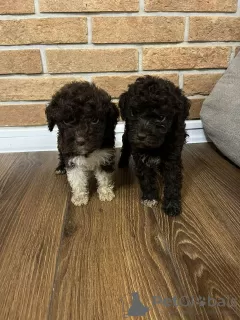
pixel 80 141
pixel 141 136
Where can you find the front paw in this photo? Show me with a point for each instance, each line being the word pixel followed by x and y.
pixel 80 199
pixel 60 170
pixel 172 207
pixel 106 194
pixel 149 203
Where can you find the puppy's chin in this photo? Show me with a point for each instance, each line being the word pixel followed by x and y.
pixel 82 151
pixel 148 144
pixel 85 152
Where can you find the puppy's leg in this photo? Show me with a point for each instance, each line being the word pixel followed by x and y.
pixel 148 183
pixel 78 180
pixel 172 175
pixel 61 165
pixel 125 152
pixel 104 176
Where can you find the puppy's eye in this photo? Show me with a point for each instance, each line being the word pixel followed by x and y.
pixel 95 121
pixel 160 121
pixel 132 113
pixel 69 122
pixel 161 118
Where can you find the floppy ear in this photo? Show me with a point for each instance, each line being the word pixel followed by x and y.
pixel 49 111
pixel 112 118
pixel 123 102
pixel 183 106
pixel 113 114
pixel 111 121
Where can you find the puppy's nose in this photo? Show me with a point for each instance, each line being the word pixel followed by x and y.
pixel 141 136
pixel 80 141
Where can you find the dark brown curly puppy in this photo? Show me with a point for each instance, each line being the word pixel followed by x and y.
pixel 86 120
pixel 155 111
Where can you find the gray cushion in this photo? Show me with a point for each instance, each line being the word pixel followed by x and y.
pixel 220 113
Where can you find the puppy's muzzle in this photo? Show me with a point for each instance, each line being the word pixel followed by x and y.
pixel 80 141
pixel 141 136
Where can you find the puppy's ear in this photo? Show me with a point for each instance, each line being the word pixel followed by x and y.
pixel 181 105
pixel 184 106
pixel 123 103
pixel 50 115
pixel 113 114
pixel 111 121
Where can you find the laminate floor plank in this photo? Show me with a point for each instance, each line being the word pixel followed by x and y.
pixel 109 251
pixel 113 249
pixel 87 265
pixel 33 203
pixel 203 242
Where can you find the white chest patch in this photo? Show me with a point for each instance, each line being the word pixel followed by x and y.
pixel 94 160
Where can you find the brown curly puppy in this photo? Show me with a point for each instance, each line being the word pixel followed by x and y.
pixel 86 120
pixel 155 111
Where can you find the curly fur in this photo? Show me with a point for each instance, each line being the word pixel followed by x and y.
pixel 155 111
pixel 86 119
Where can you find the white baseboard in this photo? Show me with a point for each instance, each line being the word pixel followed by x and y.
pixel 28 139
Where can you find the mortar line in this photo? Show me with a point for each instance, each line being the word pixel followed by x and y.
pixel 186 31
pixel 108 46
pixel 89 29
pixel 38 14
pixel 44 60
pixel 110 73
pixel 36 8
pixel 141 7
pixel 180 80
pixel 140 59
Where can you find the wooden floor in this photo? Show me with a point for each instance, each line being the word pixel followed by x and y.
pixel 62 262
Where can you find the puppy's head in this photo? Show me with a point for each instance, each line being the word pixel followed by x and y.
pixel 152 107
pixel 84 114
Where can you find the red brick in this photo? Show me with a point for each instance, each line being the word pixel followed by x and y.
pixel 31 88
pixel 214 29
pixel 91 60
pixel 22 115
pixel 191 5
pixel 88 5
pixel 138 29
pixel 16 6
pixel 48 30
pixel 20 61
pixel 165 58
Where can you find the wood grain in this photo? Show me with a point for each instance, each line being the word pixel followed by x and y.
pixel 204 241
pixel 120 247
pixel 32 207
pixel 109 250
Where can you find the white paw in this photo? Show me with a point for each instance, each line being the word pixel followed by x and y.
pixel 80 200
pixel 60 171
pixel 106 194
pixel 149 203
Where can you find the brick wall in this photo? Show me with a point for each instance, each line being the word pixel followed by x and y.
pixel 46 43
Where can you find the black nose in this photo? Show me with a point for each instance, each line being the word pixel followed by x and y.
pixel 141 136
pixel 80 141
